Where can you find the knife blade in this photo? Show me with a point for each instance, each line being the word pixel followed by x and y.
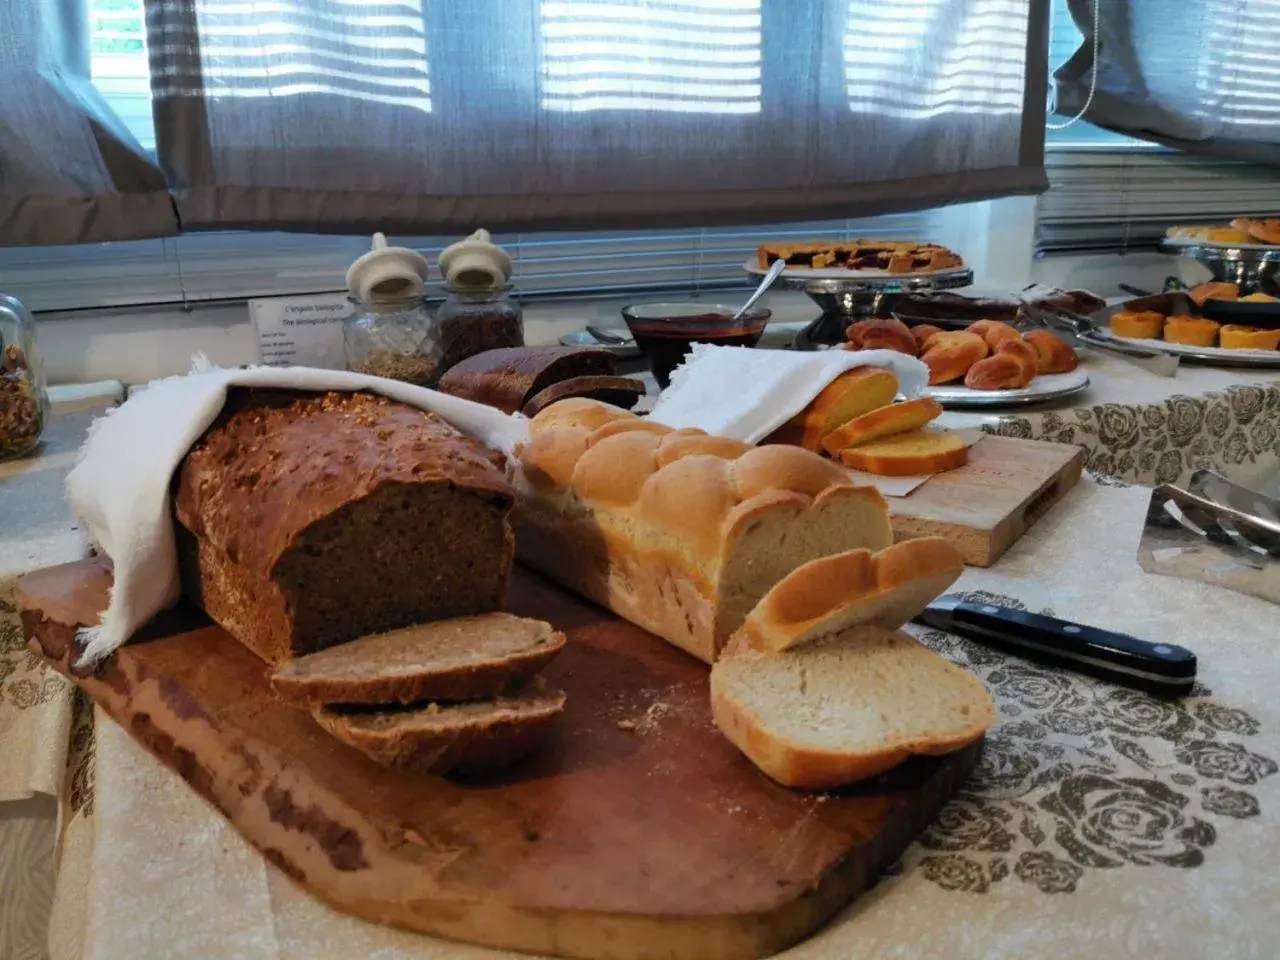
pixel 1156 667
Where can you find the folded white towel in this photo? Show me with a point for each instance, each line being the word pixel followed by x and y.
pixel 120 486
pixel 747 394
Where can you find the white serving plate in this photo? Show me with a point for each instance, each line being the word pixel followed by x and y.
pixel 1049 386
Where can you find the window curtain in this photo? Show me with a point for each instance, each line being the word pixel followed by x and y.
pixel 436 116
pixel 69 171
pixel 1201 76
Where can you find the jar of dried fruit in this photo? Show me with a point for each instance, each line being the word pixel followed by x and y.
pixel 23 400
pixel 390 332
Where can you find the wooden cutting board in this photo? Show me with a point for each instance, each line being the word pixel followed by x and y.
pixel 986 505
pixel 636 831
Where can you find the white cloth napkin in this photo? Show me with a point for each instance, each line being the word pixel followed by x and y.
pixel 119 487
pixel 747 394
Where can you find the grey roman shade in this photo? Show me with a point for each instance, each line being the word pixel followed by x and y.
pixel 1202 76
pixel 69 171
pixel 415 117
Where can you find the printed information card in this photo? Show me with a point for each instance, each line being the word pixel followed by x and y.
pixel 301 331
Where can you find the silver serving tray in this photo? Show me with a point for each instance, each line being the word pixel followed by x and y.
pixel 856 293
pixel 1212 356
pixel 1254 266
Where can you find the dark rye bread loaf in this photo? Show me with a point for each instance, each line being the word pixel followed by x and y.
pixel 465 658
pixel 438 738
pixel 621 392
pixel 308 519
pixel 510 377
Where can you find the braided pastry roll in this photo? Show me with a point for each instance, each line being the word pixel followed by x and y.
pixel 675 530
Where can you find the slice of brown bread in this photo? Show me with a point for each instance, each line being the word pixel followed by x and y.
pixel 437 738
pixel 466 658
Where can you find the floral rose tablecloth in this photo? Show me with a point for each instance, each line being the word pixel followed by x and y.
pixel 46 733
pixel 1234 431
pixel 1139 428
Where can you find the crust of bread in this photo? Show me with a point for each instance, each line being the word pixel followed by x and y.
pixel 446 660
pixel 849 395
pixel 886 588
pixel 807 767
pixel 658 524
pixel 880 333
pixel 908 454
pixel 884 422
pixel 1053 355
pixel 1011 367
pixel 924 332
pixel 995 332
pixel 493 734
pixel 949 355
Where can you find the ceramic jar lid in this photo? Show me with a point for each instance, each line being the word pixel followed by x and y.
pixel 475 263
pixel 387 273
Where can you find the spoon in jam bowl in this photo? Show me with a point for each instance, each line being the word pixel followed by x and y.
pixel 775 271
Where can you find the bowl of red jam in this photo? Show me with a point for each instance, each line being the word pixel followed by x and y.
pixel 666 332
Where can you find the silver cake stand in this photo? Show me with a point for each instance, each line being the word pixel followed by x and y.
pixel 845 300
pixel 1254 266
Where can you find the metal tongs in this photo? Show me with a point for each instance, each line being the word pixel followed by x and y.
pixel 1214 531
pixel 1082 331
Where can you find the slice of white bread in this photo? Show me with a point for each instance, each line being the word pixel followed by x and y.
pixel 465 658
pixel 846 707
pixel 908 454
pixel 848 396
pixel 884 422
pixel 827 595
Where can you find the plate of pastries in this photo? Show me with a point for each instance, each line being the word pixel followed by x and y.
pixel 988 363
pixel 1240 232
pixel 856 259
pixel 1213 323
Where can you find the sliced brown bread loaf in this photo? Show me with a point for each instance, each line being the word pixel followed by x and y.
pixel 438 737
pixel 307 519
pixel 466 658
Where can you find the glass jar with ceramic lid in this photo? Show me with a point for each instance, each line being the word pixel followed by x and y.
pixel 23 399
pixel 391 333
pixel 479 312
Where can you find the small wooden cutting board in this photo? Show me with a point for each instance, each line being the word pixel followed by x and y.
pixel 986 505
pixel 635 831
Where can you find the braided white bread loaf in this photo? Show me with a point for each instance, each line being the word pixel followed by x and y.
pixel 677 531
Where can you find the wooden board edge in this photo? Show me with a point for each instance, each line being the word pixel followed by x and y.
pixel 501 926
pixel 981 548
pixel 1037 503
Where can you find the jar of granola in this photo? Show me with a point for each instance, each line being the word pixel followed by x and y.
pixel 391 332
pixel 23 400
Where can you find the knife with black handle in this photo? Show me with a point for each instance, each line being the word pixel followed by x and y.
pixel 1156 667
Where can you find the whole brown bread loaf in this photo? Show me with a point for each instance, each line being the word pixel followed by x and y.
pixel 309 519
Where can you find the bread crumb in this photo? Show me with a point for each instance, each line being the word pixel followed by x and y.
pixel 433 708
pixel 629 725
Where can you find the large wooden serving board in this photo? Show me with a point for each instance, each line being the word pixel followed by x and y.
pixel 986 505
pixel 636 831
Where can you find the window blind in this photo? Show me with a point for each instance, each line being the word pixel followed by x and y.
pixel 1108 192
pixel 1100 200
pixel 118 64
pixel 235 266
